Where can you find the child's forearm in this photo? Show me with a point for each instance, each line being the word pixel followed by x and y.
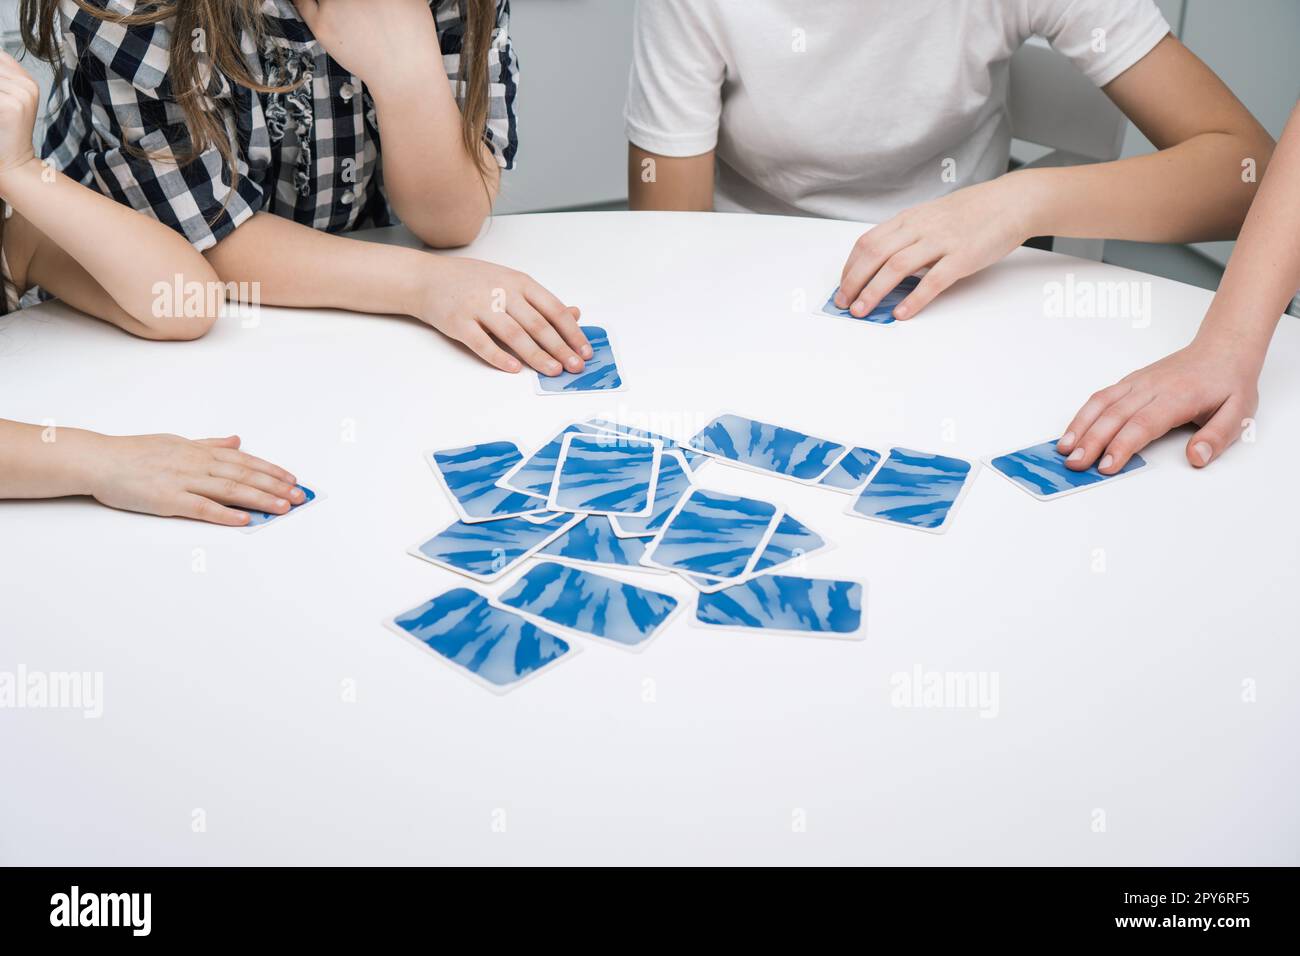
pixel 433 183
pixel 43 462
pixel 295 265
pixel 126 252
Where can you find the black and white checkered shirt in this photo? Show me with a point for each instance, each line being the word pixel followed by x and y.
pixel 311 155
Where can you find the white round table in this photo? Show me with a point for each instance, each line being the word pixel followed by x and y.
pixel 1142 635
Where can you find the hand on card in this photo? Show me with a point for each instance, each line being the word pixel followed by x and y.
pixel 953 236
pixel 1213 386
pixel 485 306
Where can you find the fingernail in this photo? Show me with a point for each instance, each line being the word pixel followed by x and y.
pixel 575 363
pixel 1203 451
pixel 296 494
pixel 1076 455
pixel 1067 439
pixel 1106 462
pixel 901 312
pixel 555 368
pixel 281 503
pixel 586 351
pixel 512 366
pixel 294 481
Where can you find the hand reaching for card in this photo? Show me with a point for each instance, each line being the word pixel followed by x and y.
pixel 954 236
pixel 174 477
pixel 482 304
pixel 1213 386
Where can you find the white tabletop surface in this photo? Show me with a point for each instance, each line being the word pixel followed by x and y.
pixel 1119 691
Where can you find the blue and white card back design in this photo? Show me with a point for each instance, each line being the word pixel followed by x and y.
pixel 1040 470
pixel 470 474
pixel 883 313
pixel 534 475
pixel 768 448
pixel 590 604
pixel 673 482
pixel 260 519
pixel 790 605
pixel 606 474
pixel 713 534
pixel 791 541
pixel 495 647
pixel 914 488
pixel 600 372
pixel 489 549
pixel 593 541
pixel 851 471
pixel 604 425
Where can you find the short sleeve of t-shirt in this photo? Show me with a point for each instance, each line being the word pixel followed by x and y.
pixel 1103 38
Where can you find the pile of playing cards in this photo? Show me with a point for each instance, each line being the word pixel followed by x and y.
pixel 599 494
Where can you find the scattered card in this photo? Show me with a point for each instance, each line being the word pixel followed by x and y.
pixel 534 475
pixel 791 541
pixel 713 534
pixel 768 448
pixel 790 605
pixel 674 481
pixel 470 474
pixel 593 541
pixel 495 647
pixel 1040 470
pixel 489 549
pixel 260 519
pixel 600 373
pixel 606 474
pixel 914 488
pixel 591 604
pixel 852 471
pixel 883 313
pixel 693 458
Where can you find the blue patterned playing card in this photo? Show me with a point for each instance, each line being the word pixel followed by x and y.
pixel 883 313
pixel 1040 470
pixel 257 519
pixel 713 534
pixel 487 550
pixel 470 477
pixel 606 474
pixel 590 603
pixel 913 488
pixel 851 471
pixel 605 425
pixel 600 372
pixel 775 602
pixel 592 541
pixel 770 448
pixel 674 481
pixel 535 473
pixel 493 645
pixel 791 541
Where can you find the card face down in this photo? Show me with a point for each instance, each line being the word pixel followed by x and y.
pixel 791 541
pixel 487 550
pixel 497 648
pixel 606 474
pixel 883 313
pixel 470 474
pixel 260 519
pixel 604 425
pixel 791 605
pixel 535 474
pixel 600 372
pixel 713 534
pixel 914 488
pixel 1040 470
pixel 593 541
pixel 590 603
pixel 768 448
pixel 673 482
pixel 851 471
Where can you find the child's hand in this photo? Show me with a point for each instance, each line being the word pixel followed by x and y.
pixel 19 96
pixel 375 39
pixel 477 302
pixel 954 235
pixel 174 477
pixel 1203 383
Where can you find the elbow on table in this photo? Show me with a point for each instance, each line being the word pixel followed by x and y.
pixel 182 309
pixel 450 234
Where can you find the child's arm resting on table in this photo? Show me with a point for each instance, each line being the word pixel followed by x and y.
pixel 1213 381
pixel 93 253
pixel 153 474
pixel 1191 189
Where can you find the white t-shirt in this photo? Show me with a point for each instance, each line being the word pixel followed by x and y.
pixel 848 108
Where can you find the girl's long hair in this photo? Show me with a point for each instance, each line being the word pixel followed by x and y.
pixel 221 23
